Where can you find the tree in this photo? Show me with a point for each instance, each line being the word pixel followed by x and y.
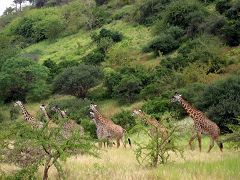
pixel 31 148
pixel 77 80
pixel 8 11
pixel 20 3
pixel 19 77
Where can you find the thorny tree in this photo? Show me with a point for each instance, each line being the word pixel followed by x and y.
pixel 30 148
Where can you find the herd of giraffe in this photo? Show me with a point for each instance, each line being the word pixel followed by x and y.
pixel 107 130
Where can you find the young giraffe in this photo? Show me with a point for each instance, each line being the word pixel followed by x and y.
pixel 70 124
pixel 156 126
pixel 102 132
pixel 28 117
pixel 201 123
pixel 115 131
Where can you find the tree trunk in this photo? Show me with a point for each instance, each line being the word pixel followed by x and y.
pixel 46 168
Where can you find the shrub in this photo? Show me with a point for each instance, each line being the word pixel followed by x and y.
pixel 124 119
pixel 231 33
pixel 128 88
pixel 38 25
pixel 95 57
pixel 98 93
pixel 149 11
pixel 105 33
pixel 157 106
pixel 77 80
pixel 220 101
pixel 165 42
pixel 53 69
pixel 31 77
pixel 223 5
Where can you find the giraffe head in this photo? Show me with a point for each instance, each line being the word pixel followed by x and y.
pixel 43 108
pixel 176 98
pixel 92 115
pixel 137 112
pixel 92 107
pixel 18 103
pixel 55 108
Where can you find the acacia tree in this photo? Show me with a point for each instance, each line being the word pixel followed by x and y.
pixel 31 148
pixel 77 80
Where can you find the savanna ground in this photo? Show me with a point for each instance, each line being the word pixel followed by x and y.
pixel 121 163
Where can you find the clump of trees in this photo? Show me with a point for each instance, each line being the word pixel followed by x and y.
pixel 77 80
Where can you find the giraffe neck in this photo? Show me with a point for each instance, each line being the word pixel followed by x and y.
pixel 61 114
pixel 99 118
pixel 192 112
pixel 25 113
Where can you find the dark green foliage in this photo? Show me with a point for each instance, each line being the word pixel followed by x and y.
pixel 165 42
pixel 204 50
pixel 7 49
pixel 184 13
pixel 128 88
pixel 127 82
pixel 150 10
pixel 157 106
pixel 231 33
pixel 222 6
pixel 221 101
pixel 37 26
pixel 95 57
pixel 105 33
pixel 21 78
pixel 101 2
pixel 77 80
pixel 53 69
pixel 67 64
pixel 124 119
pixel 98 93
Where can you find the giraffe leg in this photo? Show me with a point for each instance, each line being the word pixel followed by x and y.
pixel 211 144
pixel 220 145
pixel 191 140
pixel 100 144
pixel 199 136
pixel 118 143
pixel 124 144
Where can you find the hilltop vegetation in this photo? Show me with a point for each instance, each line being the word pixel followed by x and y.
pixel 122 54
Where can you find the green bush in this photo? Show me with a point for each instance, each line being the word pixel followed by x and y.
pixel 124 119
pixel 105 33
pixel 95 57
pixel 149 11
pixel 165 42
pixel 38 25
pixel 53 69
pixel 98 93
pixel 20 78
pixel 128 88
pixel 231 33
pixel 77 80
pixel 221 101
pixel 223 5
pixel 157 106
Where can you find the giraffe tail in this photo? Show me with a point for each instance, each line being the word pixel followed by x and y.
pixel 128 139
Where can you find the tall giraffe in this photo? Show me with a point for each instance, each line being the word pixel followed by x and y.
pixel 115 131
pixel 70 124
pixel 102 132
pixel 201 123
pixel 156 126
pixel 28 117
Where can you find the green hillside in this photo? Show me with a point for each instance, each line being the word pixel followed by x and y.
pixel 123 55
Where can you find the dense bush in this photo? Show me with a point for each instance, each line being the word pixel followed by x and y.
pixel 124 119
pixel 165 42
pixel 126 82
pixel 53 69
pixel 20 78
pixel 149 11
pixel 222 6
pixel 105 33
pixel 128 88
pixel 77 80
pixel 221 101
pixel 95 57
pixel 38 25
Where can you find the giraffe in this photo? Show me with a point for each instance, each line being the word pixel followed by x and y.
pixel 102 132
pixel 70 124
pixel 201 123
pixel 156 126
pixel 50 123
pixel 28 117
pixel 115 131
